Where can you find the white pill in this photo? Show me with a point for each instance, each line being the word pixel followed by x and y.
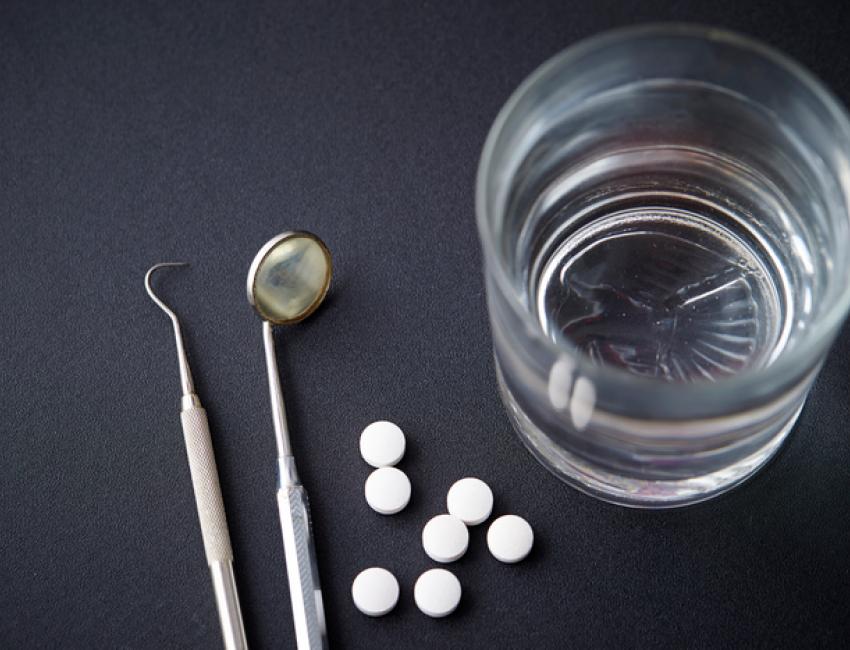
pixel 437 593
pixel 382 444
pixel 510 538
pixel 445 538
pixel 375 591
pixel 470 500
pixel 387 490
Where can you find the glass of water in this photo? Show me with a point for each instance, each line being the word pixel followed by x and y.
pixel 664 217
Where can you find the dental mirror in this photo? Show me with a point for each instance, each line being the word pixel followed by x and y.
pixel 287 281
pixel 289 277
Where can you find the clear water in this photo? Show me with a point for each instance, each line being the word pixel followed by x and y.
pixel 663 291
pixel 670 229
pixel 660 275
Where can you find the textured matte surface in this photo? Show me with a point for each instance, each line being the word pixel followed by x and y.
pixel 131 134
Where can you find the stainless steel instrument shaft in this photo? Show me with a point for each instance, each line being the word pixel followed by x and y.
pixel 199 451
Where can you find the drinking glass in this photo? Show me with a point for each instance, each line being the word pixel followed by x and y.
pixel 663 212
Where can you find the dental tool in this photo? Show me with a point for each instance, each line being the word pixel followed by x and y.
pixel 208 499
pixel 287 281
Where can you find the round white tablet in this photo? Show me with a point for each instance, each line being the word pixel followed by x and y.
pixel 510 538
pixel 470 500
pixel 387 490
pixel 445 538
pixel 375 591
pixel 437 593
pixel 382 444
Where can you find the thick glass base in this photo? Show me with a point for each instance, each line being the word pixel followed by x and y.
pixel 633 492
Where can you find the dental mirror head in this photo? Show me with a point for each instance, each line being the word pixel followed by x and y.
pixel 289 277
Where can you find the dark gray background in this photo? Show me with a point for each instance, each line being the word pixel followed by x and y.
pixel 133 133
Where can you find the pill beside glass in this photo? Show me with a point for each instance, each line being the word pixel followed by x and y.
pixel 375 591
pixel 382 444
pixel 387 490
pixel 510 539
pixel 437 593
pixel 470 500
pixel 445 538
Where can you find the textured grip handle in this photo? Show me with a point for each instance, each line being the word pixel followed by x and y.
pixel 301 570
pixel 196 432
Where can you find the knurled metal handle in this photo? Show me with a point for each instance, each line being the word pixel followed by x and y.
pixel 196 432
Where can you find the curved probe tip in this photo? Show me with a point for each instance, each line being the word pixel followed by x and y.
pixel 185 374
pixel 149 288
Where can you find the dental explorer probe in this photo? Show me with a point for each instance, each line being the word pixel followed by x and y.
pixel 208 499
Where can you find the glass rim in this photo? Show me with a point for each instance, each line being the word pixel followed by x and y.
pixel 795 360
